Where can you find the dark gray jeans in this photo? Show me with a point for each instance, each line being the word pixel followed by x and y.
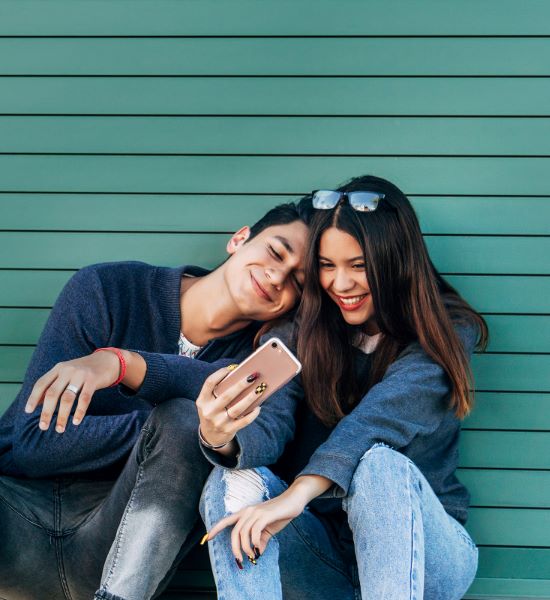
pixel 63 539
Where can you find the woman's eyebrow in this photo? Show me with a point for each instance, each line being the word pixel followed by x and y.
pixel 360 257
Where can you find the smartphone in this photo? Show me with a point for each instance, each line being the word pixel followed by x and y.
pixel 276 366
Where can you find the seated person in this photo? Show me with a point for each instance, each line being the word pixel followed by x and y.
pixel 99 444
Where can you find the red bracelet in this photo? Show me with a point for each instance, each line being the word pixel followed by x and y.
pixel 122 362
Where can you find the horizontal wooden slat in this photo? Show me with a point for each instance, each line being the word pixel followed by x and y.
pixel 514 563
pixel 488 294
pixel 74 250
pixel 507 488
pixel 322 17
pixel 510 411
pixel 509 527
pixel 504 294
pixel 237 174
pixel 512 372
pixel 503 588
pixel 277 135
pixel 505 449
pixel 508 333
pixel 438 215
pixel 282 56
pixel 275 96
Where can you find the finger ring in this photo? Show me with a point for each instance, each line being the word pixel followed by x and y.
pixel 227 413
pixel 72 388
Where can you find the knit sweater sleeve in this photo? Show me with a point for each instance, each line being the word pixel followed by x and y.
pixel 410 400
pixel 78 323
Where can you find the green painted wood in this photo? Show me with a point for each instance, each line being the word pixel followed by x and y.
pixel 505 294
pixel 282 56
pixel 505 449
pixel 509 527
pixel 512 372
pixel 237 174
pixel 450 253
pixel 507 488
pixel 472 215
pixel 275 96
pixel 508 333
pixel 499 589
pixel 31 288
pixel 322 17
pixel 488 294
pixel 510 411
pixel 515 563
pixel 277 135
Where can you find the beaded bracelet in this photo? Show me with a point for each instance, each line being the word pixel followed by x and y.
pixel 122 362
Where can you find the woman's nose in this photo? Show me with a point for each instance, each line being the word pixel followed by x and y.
pixel 342 281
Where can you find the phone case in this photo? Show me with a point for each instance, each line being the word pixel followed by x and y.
pixel 276 366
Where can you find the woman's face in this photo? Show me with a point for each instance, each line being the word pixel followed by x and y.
pixel 343 275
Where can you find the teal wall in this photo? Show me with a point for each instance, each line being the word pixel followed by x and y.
pixel 151 129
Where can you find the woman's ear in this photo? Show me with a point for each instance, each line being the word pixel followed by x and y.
pixel 238 239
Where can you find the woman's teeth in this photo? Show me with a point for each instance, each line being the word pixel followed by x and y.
pixel 351 301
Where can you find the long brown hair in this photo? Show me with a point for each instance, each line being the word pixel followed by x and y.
pixel 412 302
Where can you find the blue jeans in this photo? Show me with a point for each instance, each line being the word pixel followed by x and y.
pixel 65 538
pixel 406 545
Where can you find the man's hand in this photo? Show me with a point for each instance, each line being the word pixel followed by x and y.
pixel 84 376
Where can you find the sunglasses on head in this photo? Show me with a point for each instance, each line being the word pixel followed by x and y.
pixel 361 201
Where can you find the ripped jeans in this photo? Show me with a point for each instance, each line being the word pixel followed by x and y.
pixel 407 547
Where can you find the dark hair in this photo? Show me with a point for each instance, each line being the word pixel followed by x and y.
pixel 412 302
pixel 283 214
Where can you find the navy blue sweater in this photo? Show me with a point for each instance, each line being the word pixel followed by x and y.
pixel 134 306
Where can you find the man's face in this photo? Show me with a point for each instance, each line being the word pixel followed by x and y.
pixel 265 275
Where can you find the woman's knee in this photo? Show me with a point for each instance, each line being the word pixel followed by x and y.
pixel 228 491
pixel 379 467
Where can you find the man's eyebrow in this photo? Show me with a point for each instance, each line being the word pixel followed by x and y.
pixel 285 243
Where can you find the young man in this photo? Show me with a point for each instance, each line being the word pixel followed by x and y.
pixel 101 482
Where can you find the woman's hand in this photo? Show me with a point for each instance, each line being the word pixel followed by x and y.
pixel 255 525
pixel 87 374
pixel 218 423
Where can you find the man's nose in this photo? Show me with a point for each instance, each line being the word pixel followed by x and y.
pixel 276 277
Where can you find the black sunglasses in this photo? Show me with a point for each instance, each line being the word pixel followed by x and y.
pixel 361 201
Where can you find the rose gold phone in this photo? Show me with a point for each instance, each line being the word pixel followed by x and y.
pixel 275 365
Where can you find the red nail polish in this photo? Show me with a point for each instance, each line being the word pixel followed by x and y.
pixel 252 377
pixel 239 564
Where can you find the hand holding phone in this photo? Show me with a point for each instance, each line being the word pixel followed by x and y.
pixel 273 366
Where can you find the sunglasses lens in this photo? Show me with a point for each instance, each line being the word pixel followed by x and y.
pixel 364 201
pixel 325 199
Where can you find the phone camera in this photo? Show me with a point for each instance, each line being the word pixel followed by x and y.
pixel 274 344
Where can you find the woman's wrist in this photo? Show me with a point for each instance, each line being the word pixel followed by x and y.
pixel 307 487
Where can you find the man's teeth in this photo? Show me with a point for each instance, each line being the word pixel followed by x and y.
pixel 354 300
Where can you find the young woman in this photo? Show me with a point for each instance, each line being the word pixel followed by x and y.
pixel 374 508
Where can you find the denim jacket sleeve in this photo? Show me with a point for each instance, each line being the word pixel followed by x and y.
pixel 410 400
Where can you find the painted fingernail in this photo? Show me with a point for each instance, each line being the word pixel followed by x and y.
pixel 204 539
pixel 252 377
pixel 252 560
pixel 43 425
pixel 260 389
pixel 239 563
pixel 60 429
pixel 232 367
pixel 257 552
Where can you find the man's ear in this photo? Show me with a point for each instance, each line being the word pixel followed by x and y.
pixel 238 239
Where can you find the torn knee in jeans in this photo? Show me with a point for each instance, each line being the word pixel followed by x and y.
pixel 243 488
